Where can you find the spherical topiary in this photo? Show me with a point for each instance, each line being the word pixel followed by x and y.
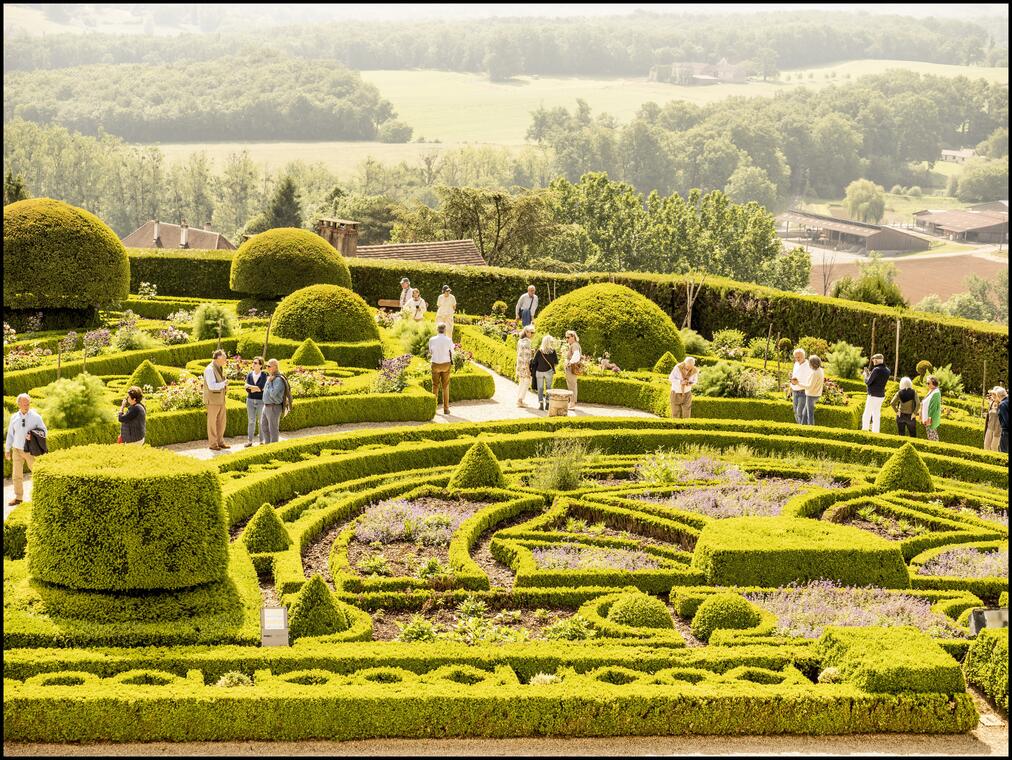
pixel 616 319
pixel 265 532
pixel 924 367
pixel 283 260
pixel 640 611
pixel 125 518
pixel 315 612
pixel 666 363
pixel 905 471
pixel 325 313
pixel 723 611
pixel 146 374
pixel 308 355
pixel 58 256
pixel 479 468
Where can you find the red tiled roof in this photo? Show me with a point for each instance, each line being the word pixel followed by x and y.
pixel 459 252
pixel 168 237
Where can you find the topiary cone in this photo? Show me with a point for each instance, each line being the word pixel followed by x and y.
pixel 315 612
pixel 146 374
pixel 478 469
pixel 666 363
pixel 905 471
pixel 308 355
pixel 266 532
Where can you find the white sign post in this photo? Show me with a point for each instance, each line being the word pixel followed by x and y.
pixel 274 626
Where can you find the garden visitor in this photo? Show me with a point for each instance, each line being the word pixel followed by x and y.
pixel 545 360
pixel 215 386
pixel 906 404
pixel 523 368
pixel 931 408
pixel 813 388
pixel 25 428
pixel 875 379
pixel 527 306
pixel 573 367
pixel 405 290
pixel 992 427
pixel 1003 423
pixel 799 379
pixel 277 395
pixel 133 417
pixel 682 378
pixel 446 307
pixel 256 379
pixel 415 307
pixel 441 355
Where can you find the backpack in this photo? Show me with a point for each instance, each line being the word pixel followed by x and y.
pixel 286 404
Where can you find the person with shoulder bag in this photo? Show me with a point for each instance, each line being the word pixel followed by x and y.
pixel 26 439
pixel 133 417
pixel 277 402
pixel 543 365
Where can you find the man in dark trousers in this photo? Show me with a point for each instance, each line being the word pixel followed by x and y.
pixel 875 379
pixel 1003 421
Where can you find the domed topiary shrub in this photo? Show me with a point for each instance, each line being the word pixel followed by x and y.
pixel 315 612
pixel 283 260
pixel 325 313
pixel 265 532
pixel 146 374
pixel 723 611
pixel 308 355
pixel 666 363
pixel 640 611
pixel 58 256
pixel 905 471
pixel 616 319
pixel 125 518
pixel 478 469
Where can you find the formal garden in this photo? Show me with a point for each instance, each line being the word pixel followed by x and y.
pixel 734 573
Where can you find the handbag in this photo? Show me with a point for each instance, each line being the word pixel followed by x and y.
pixel 119 439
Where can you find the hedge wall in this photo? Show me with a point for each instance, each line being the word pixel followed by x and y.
pixel 721 303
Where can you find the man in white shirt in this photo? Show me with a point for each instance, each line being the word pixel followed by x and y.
pixel 527 306
pixel 405 290
pixel 215 385
pixel 441 353
pixel 800 376
pixel 24 421
pixel 683 377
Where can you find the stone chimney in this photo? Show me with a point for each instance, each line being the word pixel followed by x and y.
pixel 157 243
pixel 184 235
pixel 340 233
pixel 207 226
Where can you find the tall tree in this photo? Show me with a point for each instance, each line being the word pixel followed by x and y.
pixel 865 201
pixel 285 209
pixel 14 188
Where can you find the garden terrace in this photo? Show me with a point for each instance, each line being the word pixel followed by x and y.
pixel 506 621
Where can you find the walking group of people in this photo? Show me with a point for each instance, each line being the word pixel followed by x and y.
pixel 268 399
pixel 414 307
pixel 535 368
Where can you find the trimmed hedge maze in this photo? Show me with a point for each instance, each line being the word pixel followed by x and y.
pixel 555 577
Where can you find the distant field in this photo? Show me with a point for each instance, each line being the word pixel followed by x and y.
pixel 899 208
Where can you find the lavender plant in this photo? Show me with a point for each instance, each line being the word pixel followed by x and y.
pixel 392 377
pixel 967 562
pixel 577 557
pixel 400 520
pixel 766 498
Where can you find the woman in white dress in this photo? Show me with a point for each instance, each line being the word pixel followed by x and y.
pixel 415 307
pixel 446 307
pixel 523 368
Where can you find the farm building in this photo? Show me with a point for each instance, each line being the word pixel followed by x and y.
pixel 960 156
pixel 846 234
pixel 156 234
pixel 968 225
pixel 1000 206
pixel 343 235
pixel 694 73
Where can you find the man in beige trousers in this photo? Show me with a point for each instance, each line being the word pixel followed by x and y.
pixel 683 377
pixel 215 386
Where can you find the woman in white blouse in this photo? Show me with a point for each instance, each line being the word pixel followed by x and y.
pixel 446 307
pixel 572 364
pixel 415 307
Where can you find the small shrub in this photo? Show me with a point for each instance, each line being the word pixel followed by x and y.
pixel 560 466
pixel 830 675
pixel 308 355
pixel 265 532
pixel 761 348
pixel 924 367
pixel 432 568
pixel 392 377
pixel 414 336
pixel 173 336
pixel 544 679
pixel 147 291
pixel 76 402
pixel 478 468
pixel 375 565
pixel 573 628
pixel 905 471
pixel 726 610
pixel 785 346
pixel 315 612
pixel 949 383
pixel 417 629
pixel 728 344
pixel 813 345
pixel 234 678
pixel 666 363
pixel 471 607
pixel 845 360
pixel 146 374
pixel 214 320
pixel 640 611
pixel 325 313
pixel 915 191
pixel 896 190
pixel 499 309
pixel 694 343
pixel 724 380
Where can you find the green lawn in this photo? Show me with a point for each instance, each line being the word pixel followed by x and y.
pixel 899 208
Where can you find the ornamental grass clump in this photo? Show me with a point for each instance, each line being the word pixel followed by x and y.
pixel 967 562
pixel 315 612
pixel 664 467
pixel 478 468
pixel 214 320
pixel 265 532
pixel 723 611
pixel 574 628
pixel 76 402
pixel 805 610
pixel 640 611
pixel 580 557
pixel 560 466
